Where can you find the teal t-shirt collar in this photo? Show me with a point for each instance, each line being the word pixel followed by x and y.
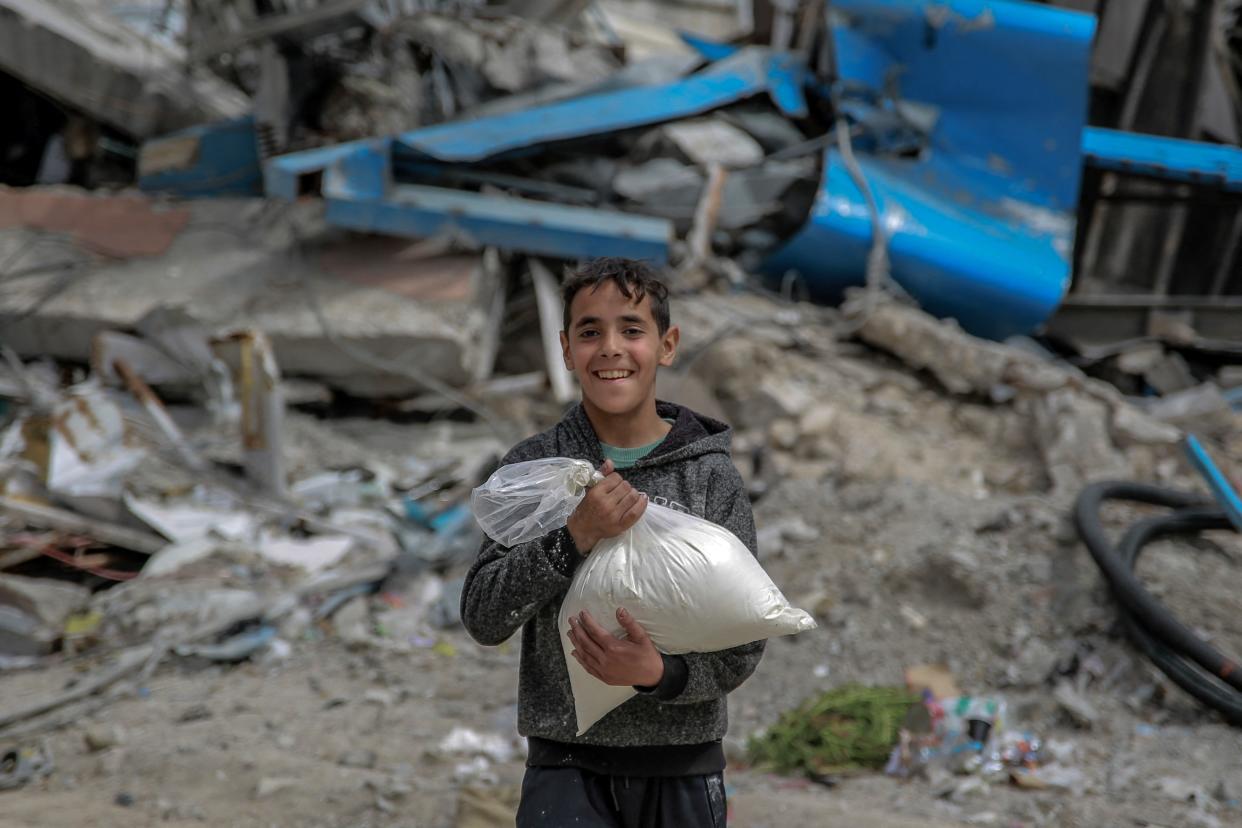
pixel 624 458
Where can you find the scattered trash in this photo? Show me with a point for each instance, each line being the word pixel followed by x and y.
pixel 236 648
pixel 468 742
pixel 22 765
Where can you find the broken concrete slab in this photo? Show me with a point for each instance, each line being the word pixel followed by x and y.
pixel 752 194
pixel 658 180
pixel 80 55
pixel 708 141
pixel 119 226
pixel 773 131
pixel 230 268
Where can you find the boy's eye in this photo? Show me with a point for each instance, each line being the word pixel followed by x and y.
pixel 587 333
pixel 634 331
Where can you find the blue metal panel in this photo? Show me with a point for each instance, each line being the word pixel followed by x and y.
pixel 1011 79
pixel 225 161
pixel 988 270
pixel 981 222
pixel 513 224
pixel 750 72
pixel 282 176
pixel 1168 158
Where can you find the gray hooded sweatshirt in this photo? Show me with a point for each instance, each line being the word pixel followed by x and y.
pixel 673 728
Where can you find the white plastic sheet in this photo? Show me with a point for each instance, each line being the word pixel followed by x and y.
pixel 692 585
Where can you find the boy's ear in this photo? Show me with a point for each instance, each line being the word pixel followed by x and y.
pixel 668 345
pixel 569 360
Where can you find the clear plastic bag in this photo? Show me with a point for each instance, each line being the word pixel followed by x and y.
pixel 692 585
pixel 524 501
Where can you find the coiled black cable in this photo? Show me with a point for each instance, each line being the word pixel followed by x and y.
pixel 1191 663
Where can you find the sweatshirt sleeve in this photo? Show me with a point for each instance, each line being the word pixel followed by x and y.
pixel 506 586
pixel 702 677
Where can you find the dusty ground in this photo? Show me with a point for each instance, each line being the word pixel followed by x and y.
pixel 916 525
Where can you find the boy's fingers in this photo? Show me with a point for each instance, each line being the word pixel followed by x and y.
pixel 585 640
pixel 608 485
pixel 607 468
pixel 633 630
pixel 599 636
pixel 631 515
pixel 626 502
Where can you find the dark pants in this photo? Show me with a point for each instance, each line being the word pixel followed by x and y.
pixel 556 797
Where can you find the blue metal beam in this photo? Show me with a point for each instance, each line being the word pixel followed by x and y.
pixel 1224 493
pixel 745 74
pixel 1172 159
pixel 515 224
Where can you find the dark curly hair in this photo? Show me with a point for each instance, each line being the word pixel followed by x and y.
pixel 635 279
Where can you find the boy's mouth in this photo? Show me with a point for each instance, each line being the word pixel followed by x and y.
pixel 614 375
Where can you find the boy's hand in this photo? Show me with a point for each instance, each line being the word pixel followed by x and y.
pixel 610 507
pixel 632 660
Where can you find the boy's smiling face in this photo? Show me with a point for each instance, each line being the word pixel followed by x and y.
pixel 614 346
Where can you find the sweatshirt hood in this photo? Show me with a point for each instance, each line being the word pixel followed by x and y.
pixel 692 435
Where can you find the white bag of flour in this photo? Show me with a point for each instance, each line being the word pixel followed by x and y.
pixel 692 585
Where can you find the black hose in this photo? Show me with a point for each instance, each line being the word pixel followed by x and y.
pixel 1190 662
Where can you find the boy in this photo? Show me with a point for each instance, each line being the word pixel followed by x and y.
pixel 656 761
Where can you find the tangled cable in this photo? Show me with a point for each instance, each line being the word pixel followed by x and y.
pixel 1208 675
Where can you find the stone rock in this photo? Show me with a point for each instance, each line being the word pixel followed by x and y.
pixel 868 450
pixel 817 421
pixel 352 622
pixel 775 398
pixel 1035 662
pixel 783 433
pixel 270 785
pixel 1131 427
pixel 1080 711
pixel 1071 431
pixel 102 737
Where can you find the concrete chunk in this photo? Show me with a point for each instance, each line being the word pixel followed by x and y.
pixel 33 612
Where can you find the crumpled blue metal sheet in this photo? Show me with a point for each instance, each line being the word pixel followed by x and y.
pixel 360 196
pixel 1169 158
pixel 749 72
pixel 981 222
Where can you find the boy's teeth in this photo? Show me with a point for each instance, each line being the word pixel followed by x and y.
pixel 613 374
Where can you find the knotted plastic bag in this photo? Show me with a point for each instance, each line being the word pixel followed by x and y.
pixel 692 585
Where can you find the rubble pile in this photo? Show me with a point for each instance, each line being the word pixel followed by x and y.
pixel 915 510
